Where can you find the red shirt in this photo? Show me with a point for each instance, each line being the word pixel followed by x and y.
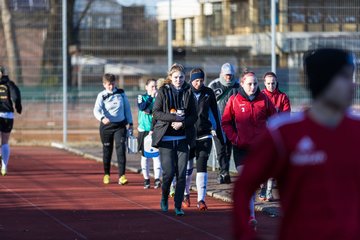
pixel 318 173
pixel 244 121
pixel 279 99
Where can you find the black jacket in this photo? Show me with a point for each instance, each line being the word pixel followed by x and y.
pixel 163 118
pixel 9 93
pixel 205 104
pixel 222 93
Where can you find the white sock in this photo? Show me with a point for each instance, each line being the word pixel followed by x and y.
pixel 173 183
pixel 5 154
pixel 189 170
pixel 269 188
pixel 145 167
pixel 239 169
pixel 201 183
pixel 157 167
pixel 252 206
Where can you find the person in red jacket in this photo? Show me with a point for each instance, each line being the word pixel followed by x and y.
pixel 281 103
pixel 314 157
pixel 244 121
pixel 278 98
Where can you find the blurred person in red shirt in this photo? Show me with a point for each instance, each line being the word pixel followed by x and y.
pixel 244 121
pixel 314 157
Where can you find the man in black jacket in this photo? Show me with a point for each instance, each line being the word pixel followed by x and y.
pixel 9 94
pixel 224 87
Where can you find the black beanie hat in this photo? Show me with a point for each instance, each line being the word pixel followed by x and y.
pixel 322 65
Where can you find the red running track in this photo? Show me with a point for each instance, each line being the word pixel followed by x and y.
pixel 53 194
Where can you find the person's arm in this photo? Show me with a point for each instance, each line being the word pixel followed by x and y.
pixel 215 113
pixel 143 105
pixel 286 104
pixel 15 96
pixel 271 110
pixel 158 113
pixel 227 121
pixel 127 110
pixel 191 116
pixel 98 108
pixel 264 161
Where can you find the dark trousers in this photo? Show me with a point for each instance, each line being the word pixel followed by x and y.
pixel 239 156
pixel 109 133
pixel 223 152
pixel 201 153
pixel 174 158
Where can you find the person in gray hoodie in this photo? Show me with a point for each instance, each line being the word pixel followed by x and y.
pixel 112 110
pixel 224 87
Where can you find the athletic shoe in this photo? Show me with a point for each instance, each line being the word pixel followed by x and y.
pixel 146 183
pixel 253 223
pixel 186 201
pixel 227 179
pixel 269 198
pixel 220 179
pixel 157 183
pixel 202 206
pixel 172 191
pixel 179 212
pixel 123 180
pixel 262 194
pixel 3 171
pixel 164 204
pixel 106 179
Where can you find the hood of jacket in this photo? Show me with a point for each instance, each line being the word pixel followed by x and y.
pixel 241 91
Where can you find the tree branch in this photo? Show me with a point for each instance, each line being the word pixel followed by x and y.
pixel 83 14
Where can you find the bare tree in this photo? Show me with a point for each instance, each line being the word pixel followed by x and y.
pixel 52 48
pixel 12 49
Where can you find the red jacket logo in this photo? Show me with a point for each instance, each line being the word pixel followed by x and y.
pixel 306 153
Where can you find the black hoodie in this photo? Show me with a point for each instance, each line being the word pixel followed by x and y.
pixel 206 103
pixel 9 93
pixel 169 98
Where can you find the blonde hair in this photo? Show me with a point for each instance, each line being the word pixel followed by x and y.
pixel 176 67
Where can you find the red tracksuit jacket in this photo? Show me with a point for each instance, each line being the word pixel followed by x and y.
pixel 318 173
pixel 243 120
pixel 279 99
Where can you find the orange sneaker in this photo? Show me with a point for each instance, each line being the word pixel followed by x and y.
pixel 186 201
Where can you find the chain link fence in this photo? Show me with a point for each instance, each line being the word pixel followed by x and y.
pixel 129 39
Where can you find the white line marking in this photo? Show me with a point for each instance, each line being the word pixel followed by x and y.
pixel 45 213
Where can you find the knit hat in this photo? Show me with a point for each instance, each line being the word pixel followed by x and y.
pixel 227 68
pixel 322 65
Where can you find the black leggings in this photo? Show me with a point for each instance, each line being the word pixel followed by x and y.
pixel 109 133
pixel 174 156
pixel 201 152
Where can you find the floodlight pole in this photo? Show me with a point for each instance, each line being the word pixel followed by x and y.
pixel 169 37
pixel 273 35
pixel 64 67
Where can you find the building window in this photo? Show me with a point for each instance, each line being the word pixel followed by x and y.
pixel 297 11
pixel 174 29
pixel 217 16
pixel 240 14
